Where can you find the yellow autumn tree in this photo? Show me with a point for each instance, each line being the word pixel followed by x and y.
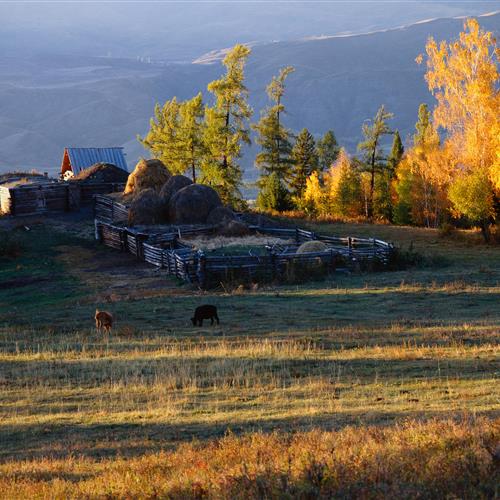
pixel 343 188
pixel 463 76
pixel 312 199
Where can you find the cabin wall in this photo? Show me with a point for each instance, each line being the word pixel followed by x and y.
pixel 57 197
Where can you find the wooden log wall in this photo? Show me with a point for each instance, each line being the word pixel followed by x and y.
pixel 168 251
pixel 51 197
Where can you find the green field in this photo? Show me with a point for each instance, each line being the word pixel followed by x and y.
pixel 342 354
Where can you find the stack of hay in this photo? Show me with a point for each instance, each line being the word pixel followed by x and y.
pixel 158 197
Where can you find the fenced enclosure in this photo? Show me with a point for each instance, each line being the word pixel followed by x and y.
pixel 167 248
pixel 31 199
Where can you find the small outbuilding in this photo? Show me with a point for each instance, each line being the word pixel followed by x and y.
pixel 77 159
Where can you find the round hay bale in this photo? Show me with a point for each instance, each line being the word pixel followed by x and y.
pixel 145 208
pixel 312 246
pixel 233 228
pixel 147 174
pixel 192 204
pixel 220 215
pixel 174 184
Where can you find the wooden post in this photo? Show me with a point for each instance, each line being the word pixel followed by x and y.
pixel 201 270
pixel 12 193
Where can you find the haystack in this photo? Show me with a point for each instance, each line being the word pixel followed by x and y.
pixel 174 184
pixel 147 174
pixel 233 228
pixel 102 172
pixel 220 215
pixel 312 246
pixel 192 204
pixel 145 208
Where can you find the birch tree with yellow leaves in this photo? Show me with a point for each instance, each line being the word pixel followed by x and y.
pixel 463 76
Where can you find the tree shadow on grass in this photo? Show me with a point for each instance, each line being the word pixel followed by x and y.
pixel 133 439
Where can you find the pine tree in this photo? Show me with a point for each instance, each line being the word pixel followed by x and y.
pixel 273 137
pixel 305 162
pixel 328 150
pixel 374 160
pixel 226 127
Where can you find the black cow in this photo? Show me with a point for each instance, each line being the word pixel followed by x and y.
pixel 205 312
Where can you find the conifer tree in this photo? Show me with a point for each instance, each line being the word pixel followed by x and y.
pixel 226 127
pixel 313 197
pixel 396 154
pixel 176 135
pixel 328 150
pixel 273 137
pixel 374 160
pixel 305 162
pixel 162 140
pixel 343 186
pixel 191 126
pixel 273 194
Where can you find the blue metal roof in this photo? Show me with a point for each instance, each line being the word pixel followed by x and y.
pixel 82 158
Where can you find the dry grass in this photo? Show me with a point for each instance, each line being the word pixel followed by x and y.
pixel 367 386
pixel 217 242
pixel 435 459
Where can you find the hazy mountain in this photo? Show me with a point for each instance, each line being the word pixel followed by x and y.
pixel 49 102
pixel 175 31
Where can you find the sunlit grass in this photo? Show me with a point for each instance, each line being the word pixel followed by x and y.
pixel 369 349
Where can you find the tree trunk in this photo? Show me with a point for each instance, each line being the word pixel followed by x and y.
pixel 485 231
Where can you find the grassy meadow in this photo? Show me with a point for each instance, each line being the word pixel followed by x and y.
pixel 367 385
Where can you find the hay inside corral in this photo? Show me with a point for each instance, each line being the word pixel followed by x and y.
pixel 312 246
pixel 254 242
pixel 147 174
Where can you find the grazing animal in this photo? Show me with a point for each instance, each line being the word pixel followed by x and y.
pixel 205 312
pixel 103 319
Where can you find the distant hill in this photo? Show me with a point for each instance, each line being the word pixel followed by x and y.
pixel 49 103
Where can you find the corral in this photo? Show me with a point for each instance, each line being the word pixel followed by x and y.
pixel 169 248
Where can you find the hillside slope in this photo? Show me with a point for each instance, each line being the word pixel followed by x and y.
pixel 47 104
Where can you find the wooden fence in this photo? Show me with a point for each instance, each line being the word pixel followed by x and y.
pixel 31 199
pixel 167 250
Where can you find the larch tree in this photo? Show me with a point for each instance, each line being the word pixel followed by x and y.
pixel 343 187
pixel 429 166
pixel 274 140
pixel 374 160
pixel 190 134
pixel 162 140
pixel 328 150
pixel 305 162
pixel 463 76
pixel 313 197
pixel 227 128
